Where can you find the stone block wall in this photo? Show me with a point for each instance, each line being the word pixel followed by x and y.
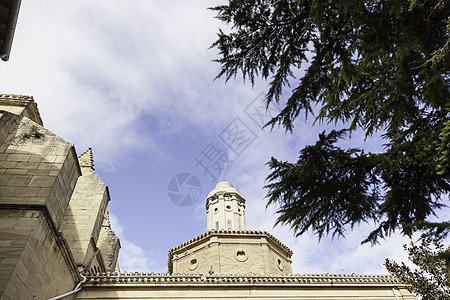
pixel 40 171
pixel 277 262
pixel 94 259
pixel 241 259
pixel 34 263
pixel 109 245
pixel 7 124
pixel 85 214
pixel 196 259
pixel 231 253
pixel 21 105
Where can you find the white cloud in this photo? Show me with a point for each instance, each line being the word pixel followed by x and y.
pixel 99 69
pixel 132 257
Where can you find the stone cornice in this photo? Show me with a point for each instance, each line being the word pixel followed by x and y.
pixel 165 279
pixel 241 233
pixel 23 101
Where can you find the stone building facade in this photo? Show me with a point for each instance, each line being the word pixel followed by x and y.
pixel 54 222
pixel 56 240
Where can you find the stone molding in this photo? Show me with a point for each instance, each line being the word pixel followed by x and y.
pixel 241 233
pixel 23 101
pixel 242 279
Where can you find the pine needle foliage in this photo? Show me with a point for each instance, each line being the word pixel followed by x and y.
pixel 375 65
pixel 430 279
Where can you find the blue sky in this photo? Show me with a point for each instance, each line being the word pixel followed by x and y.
pixel 134 80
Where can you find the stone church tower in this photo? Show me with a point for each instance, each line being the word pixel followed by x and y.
pixel 228 247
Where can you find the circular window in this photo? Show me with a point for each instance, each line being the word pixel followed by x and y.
pixel 241 255
pixel 239 210
pixel 216 209
pixel 280 265
pixel 228 207
pixel 193 264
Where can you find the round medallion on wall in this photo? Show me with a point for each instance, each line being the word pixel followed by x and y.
pixel 193 264
pixel 280 264
pixel 240 255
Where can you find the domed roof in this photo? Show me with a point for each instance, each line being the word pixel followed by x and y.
pixel 224 187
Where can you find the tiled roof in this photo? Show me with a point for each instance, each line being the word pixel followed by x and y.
pixel 241 233
pixel 242 279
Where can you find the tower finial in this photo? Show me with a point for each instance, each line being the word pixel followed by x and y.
pixel 87 159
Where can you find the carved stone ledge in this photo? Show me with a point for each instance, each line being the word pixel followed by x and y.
pixel 25 101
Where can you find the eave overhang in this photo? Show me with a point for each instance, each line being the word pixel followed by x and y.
pixel 9 12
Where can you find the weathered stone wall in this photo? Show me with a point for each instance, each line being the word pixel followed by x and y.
pixel 278 262
pixel 21 105
pixel 232 253
pixel 109 244
pixel 37 171
pixel 196 259
pixel 85 214
pixel 94 259
pixel 38 175
pixel 242 258
pixel 8 122
pixel 34 263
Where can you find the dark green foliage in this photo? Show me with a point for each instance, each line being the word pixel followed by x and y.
pixel 322 172
pixel 374 65
pixel 328 188
pixel 33 132
pixel 431 279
